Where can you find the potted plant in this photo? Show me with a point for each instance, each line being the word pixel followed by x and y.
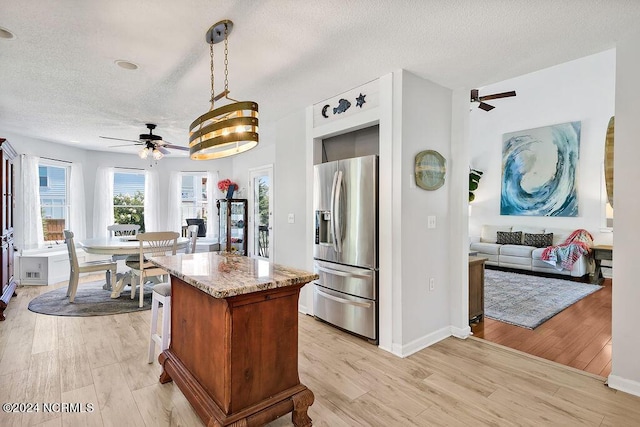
pixel 228 186
pixel 474 179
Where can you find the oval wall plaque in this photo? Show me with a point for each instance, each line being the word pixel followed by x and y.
pixel 429 170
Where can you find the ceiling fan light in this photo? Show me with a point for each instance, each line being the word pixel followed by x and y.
pixel 157 154
pixel 144 153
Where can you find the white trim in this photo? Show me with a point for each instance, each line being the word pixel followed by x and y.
pixel 623 384
pixel 462 333
pixel 421 343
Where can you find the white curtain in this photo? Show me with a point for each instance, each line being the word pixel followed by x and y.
pixel 31 218
pixel 174 217
pixel 77 203
pixel 212 211
pixel 151 204
pixel 103 202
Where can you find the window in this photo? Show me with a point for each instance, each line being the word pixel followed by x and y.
pixel 54 199
pixel 193 203
pixel 261 205
pixel 44 176
pixel 128 198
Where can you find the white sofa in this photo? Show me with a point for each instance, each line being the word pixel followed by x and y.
pixel 521 256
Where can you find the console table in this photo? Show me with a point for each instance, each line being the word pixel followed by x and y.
pixel 234 338
pixel 601 252
pixel 476 288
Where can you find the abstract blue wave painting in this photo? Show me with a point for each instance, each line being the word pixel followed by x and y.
pixel 539 171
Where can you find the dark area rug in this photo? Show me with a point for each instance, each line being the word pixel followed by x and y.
pixel 528 301
pixel 90 300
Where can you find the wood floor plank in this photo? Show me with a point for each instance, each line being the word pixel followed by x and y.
pixel 453 382
pixel 544 410
pixel 45 337
pixel 13 390
pixel 573 337
pixel 43 385
pixel 156 406
pixel 75 367
pixel 88 416
pixel 114 398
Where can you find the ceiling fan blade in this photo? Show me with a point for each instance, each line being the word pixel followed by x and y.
pixel 498 95
pixel 162 150
pixel 120 139
pixel 176 147
pixel 486 107
pixel 124 145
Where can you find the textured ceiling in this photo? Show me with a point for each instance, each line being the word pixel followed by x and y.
pixel 58 80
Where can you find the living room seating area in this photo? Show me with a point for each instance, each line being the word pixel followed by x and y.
pixel 522 248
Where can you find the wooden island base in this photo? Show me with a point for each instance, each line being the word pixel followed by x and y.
pixel 296 400
pixel 235 359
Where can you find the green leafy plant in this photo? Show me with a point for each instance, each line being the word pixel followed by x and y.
pixel 129 209
pixel 474 179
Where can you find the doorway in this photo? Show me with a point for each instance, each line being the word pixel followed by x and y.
pixel 261 212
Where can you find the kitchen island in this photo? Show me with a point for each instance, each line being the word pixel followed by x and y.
pixel 234 338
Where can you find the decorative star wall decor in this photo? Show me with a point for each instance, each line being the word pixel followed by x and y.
pixel 343 105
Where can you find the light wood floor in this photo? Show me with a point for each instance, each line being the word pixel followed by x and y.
pixel 579 336
pixel 102 361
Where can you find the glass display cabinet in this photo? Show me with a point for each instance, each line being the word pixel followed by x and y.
pixel 233 225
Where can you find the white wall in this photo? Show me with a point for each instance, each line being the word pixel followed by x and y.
pixel 581 90
pixel 625 371
pixel 426 125
pixel 290 192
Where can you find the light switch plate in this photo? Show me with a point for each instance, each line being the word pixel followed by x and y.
pixel 431 221
pixel 291 218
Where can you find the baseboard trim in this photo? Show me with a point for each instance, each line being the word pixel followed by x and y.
pixel 462 333
pixel 421 343
pixel 623 384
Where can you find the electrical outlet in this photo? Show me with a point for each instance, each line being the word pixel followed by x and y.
pixel 431 221
pixel 291 218
pixel 432 284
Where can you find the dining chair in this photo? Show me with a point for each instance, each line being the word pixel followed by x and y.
pixel 192 234
pixel 109 267
pixel 116 230
pixel 119 230
pixel 156 243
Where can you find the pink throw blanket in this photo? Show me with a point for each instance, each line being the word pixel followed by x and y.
pixel 564 255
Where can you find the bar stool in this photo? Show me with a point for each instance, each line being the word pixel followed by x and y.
pixel 161 294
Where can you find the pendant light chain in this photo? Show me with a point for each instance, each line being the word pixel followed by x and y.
pixel 213 93
pixel 226 59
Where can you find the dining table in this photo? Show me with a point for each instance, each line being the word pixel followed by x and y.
pixel 119 245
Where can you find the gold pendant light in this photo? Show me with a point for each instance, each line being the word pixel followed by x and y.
pixel 227 130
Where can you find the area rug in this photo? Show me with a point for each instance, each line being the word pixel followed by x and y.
pixel 90 300
pixel 528 301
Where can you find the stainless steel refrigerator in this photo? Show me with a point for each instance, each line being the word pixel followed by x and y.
pixel 345 200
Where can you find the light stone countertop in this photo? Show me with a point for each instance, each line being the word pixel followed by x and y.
pixel 223 276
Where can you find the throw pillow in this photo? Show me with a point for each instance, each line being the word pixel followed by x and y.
pixel 509 238
pixel 538 240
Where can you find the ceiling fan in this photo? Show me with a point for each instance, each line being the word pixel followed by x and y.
pixel 484 106
pixel 152 144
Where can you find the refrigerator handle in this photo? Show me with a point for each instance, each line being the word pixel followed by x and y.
pixel 343 301
pixel 338 214
pixel 342 273
pixel 333 210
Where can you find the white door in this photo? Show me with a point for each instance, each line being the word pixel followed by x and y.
pixel 261 212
